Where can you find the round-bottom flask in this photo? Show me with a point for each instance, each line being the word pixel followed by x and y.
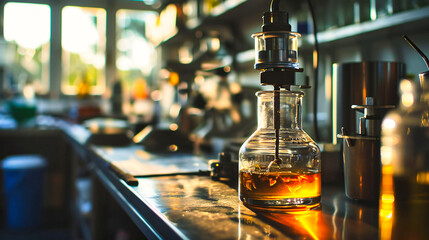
pixel 293 182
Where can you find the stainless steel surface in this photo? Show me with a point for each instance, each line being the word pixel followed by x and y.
pixel 362 167
pixel 204 209
pixel 196 207
pixel 354 82
pixel 137 162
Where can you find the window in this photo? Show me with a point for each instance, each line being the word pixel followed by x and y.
pixel 84 45
pixel 27 30
pixel 135 55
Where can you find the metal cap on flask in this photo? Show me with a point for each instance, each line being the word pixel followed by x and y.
pixel 276 49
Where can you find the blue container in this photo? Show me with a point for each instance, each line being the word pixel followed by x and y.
pixel 23 187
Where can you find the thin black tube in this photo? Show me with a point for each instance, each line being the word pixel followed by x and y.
pixel 275 6
pixel 316 72
pixel 418 50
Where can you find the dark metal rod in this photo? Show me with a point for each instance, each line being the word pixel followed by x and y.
pixel 277 121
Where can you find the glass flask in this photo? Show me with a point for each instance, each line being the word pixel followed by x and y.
pixel 294 182
pixel 404 196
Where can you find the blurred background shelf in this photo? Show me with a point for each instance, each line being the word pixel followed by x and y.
pixel 398 23
pixel 228 11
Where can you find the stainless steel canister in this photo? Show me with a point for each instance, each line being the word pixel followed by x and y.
pixel 355 81
pixel 362 167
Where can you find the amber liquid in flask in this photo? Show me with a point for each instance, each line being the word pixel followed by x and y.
pixel 293 183
pixel 280 185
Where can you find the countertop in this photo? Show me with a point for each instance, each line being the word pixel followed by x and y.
pixel 192 206
pixel 197 207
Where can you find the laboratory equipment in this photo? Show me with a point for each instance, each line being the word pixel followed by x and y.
pixel 361 153
pixel 279 164
pixel 404 200
pixel 353 82
pixel 108 131
pixel 364 92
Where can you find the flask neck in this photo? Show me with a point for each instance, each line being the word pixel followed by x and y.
pixel 290 109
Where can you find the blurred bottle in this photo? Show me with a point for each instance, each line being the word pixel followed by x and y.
pixel 303 25
pixel 419 3
pixel 320 9
pixel 381 8
pixel 331 14
pixel 83 88
pixel 209 5
pixel 404 202
pixel 347 15
pixel 117 98
pixel 401 5
pixel 363 8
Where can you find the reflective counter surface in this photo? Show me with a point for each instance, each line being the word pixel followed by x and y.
pixel 205 209
pixel 197 207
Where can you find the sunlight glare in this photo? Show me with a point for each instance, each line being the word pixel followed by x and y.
pixel 27 24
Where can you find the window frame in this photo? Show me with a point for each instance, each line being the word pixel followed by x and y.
pixel 55 58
